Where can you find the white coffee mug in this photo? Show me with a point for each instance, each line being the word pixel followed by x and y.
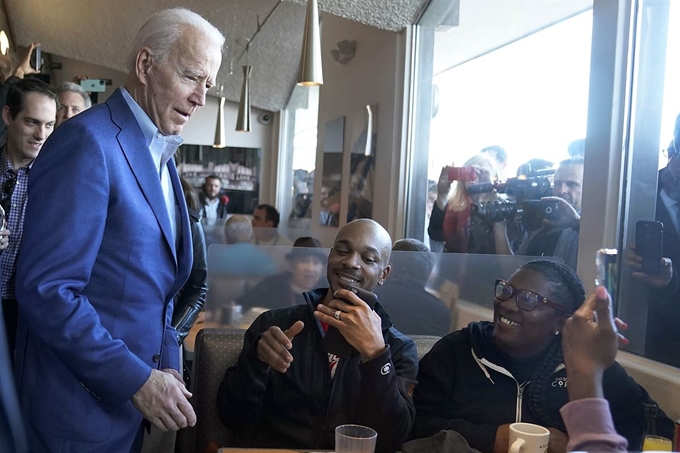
pixel 528 438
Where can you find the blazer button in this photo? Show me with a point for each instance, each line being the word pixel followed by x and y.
pixel 156 358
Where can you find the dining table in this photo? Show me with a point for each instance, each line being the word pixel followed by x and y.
pixel 268 450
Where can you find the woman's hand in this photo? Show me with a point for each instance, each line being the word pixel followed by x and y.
pixel 558 441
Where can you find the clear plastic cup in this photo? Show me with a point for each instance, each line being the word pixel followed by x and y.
pixel 355 439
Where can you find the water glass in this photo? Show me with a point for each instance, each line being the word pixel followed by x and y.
pixel 355 439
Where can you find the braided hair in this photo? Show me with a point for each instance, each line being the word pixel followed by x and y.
pixel 568 291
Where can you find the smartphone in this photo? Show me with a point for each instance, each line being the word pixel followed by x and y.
pixel 36 59
pixel 649 245
pixel 606 263
pixel 333 341
pixel 462 174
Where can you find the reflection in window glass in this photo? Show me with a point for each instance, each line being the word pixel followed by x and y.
pixel 649 296
pixel 530 97
pixel 304 158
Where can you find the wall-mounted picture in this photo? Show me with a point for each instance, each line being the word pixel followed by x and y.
pixel 331 183
pixel 364 127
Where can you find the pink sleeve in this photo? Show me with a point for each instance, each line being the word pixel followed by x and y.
pixel 590 426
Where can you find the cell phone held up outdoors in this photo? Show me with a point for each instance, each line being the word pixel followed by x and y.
pixel 649 245
pixel 333 341
pixel 462 174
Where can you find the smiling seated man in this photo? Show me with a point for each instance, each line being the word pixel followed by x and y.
pixel 287 392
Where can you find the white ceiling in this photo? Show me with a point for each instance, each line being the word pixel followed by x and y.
pixel 99 32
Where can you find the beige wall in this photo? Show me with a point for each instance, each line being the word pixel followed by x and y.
pixel 372 77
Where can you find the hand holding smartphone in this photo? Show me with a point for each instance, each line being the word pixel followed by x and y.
pixel 334 342
pixel 649 245
pixel 36 58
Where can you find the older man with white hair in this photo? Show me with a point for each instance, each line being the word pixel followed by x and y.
pixel 72 101
pixel 99 266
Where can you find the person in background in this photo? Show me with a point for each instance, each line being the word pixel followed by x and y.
pixel 29 117
pixel 577 148
pixel 452 221
pixel 589 344
pixel 558 237
pixel 305 264
pixel 242 257
pixel 479 380
pixel 265 227
pixel 213 206
pixel 11 75
pixel 499 155
pixel 287 391
pixel 72 101
pixel 412 309
pixel 662 340
pixel 191 298
pixel 99 267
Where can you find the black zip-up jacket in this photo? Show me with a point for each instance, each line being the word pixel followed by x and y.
pixel 301 408
pixel 191 297
pixel 466 385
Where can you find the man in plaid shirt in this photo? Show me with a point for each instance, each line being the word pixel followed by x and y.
pixel 30 114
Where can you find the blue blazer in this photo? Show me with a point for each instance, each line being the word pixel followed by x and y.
pixel 96 275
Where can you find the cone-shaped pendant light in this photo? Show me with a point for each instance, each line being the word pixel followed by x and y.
pixel 243 119
pixel 220 140
pixel 311 72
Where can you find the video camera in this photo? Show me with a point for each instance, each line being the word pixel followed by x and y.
pixel 526 207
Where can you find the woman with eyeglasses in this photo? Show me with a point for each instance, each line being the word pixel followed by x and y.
pixel 479 380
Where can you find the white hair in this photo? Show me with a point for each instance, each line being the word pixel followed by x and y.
pixel 75 88
pixel 160 32
pixel 238 229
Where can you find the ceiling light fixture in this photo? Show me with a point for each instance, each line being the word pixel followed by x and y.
pixel 243 119
pixel 220 134
pixel 311 72
pixel 4 42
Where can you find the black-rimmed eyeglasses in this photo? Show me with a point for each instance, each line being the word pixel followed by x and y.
pixel 526 300
pixel 8 190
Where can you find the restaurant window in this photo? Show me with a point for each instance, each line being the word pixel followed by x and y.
pixel 651 304
pixel 303 112
pixel 478 84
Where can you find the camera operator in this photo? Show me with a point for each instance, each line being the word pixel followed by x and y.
pixel 559 236
pixel 451 220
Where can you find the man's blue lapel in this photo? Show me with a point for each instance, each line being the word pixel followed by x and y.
pixel 141 163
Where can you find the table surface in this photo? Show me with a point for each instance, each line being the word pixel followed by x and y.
pixel 266 450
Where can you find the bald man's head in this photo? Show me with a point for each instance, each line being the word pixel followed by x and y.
pixel 360 256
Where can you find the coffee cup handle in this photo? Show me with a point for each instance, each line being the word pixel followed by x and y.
pixel 516 445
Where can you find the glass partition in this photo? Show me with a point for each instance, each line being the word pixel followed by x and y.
pixel 425 294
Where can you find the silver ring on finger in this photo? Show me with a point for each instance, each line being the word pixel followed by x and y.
pixel 337 315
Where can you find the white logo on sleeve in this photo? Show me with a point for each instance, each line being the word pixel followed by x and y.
pixel 386 368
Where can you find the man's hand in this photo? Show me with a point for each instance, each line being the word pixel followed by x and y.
pixel 274 344
pixel 589 342
pixel 568 215
pixel 163 400
pixel 660 280
pixel 359 324
pixel 24 66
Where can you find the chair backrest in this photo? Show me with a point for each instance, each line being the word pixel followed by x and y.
pixel 424 343
pixel 216 350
